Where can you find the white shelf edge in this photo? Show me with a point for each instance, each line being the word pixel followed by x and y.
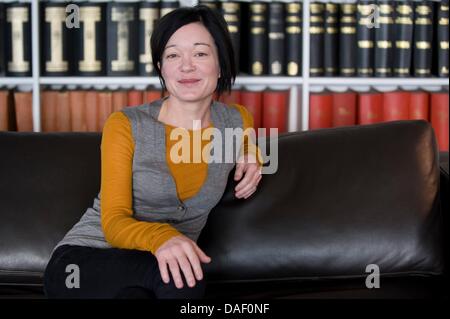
pixel 16 81
pixel 377 81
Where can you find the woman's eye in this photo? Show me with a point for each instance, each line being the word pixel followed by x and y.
pixel 171 56
pixel 201 54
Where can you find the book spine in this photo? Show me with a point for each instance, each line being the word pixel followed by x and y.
pixel 316 42
pixel 90 49
pixel 403 27
pixel 423 38
pixel 77 110
pixel 122 44
pixel 148 15
pixel 439 118
pixel 232 14
pixel 344 109
pixel 320 110
pixel 18 39
pixel 347 40
pixel 370 108
pixel 396 106
pixel 252 100
pixel 276 39
pixel 274 113
pixel 384 38
pixel 212 4
pixel 258 38
pixel 5 111
pixel 167 6
pixel 443 39
pixel 293 38
pixel 419 108
pixel 55 51
pixel 2 38
pixel 23 108
pixel 63 120
pixel 365 37
pixel 331 39
pixel 91 110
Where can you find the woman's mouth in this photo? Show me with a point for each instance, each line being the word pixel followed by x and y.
pixel 189 81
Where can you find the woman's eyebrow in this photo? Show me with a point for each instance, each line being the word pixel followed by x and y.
pixel 197 43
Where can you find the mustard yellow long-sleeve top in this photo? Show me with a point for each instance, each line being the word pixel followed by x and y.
pixel 121 230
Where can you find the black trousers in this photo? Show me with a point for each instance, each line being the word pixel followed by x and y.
pixel 85 272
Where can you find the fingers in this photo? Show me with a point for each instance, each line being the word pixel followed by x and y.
pixel 249 183
pixel 239 171
pixel 182 256
pixel 175 271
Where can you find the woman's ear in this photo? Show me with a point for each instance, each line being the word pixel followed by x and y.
pixel 159 65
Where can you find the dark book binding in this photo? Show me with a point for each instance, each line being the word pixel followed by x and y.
pixel 384 38
pixel 148 15
pixel 316 39
pixel 293 44
pixel 423 38
pixel 403 29
pixel 90 49
pixel 2 38
pixel 56 57
pixel 257 48
pixel 276 39
pixel 331 39
pixel 18 39
pixel 347 40
pixel 442 38
pixel 122 39
pixel 365 37
pixel 167 6
pixel 231 11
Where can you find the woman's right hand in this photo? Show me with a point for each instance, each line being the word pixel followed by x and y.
pixel 181 252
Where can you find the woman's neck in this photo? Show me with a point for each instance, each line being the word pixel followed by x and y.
pixel 183 114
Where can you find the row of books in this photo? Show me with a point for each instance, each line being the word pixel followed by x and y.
pixel 87 110
pixel 333 109
pixel 381 38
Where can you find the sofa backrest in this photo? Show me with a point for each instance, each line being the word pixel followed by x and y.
pixel 341 199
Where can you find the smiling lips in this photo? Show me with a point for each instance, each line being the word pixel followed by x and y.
pixel 189 81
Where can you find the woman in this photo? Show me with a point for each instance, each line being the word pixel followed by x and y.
pixel 142 242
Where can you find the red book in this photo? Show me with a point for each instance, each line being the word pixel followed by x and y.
pixel 48 110
pixel 231 98
pixel 23 102
pixel 439 118
pixel 252 100
pixel 152 94
pixel 119 100
pixel 370 107
pixel 5 111
pixel 91 110
pixel 419 106
pixel 275 110
pixel 396 105
pixel 344 108
pixel 63 121
pixel 320 110
pixel 135 97
pixel 104 100
pixel 78 110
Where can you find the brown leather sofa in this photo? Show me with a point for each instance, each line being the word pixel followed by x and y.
pixel 341 200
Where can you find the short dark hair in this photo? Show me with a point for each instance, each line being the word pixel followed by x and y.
pixel 217 27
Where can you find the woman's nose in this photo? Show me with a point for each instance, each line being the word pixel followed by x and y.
pixel 186 64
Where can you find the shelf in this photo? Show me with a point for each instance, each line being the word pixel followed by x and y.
pixel 16 81
pixel 377 81
pixel 136 80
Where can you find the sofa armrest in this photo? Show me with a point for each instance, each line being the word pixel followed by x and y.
pixel 444 195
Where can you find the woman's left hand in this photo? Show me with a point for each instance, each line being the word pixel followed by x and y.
pixel 249 167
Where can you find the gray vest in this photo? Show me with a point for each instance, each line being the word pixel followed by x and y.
pixel 155 196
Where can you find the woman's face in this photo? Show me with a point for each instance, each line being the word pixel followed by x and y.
pixel 190 63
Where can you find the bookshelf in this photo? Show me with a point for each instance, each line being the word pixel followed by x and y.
pixel 299 87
